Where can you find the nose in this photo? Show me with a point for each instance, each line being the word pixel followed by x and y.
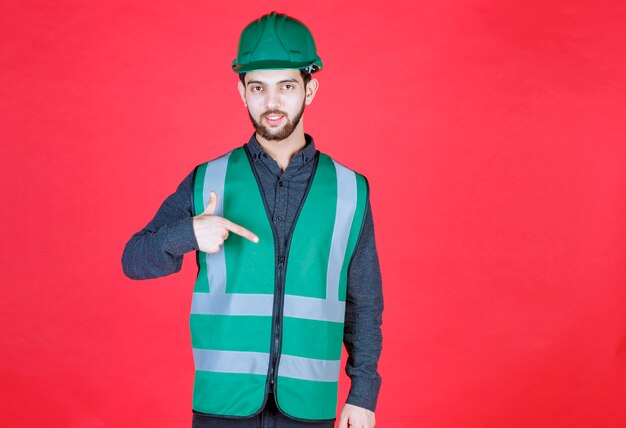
pixel 272 101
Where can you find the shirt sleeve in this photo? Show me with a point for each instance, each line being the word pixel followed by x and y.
pixel 364 307
pixel 157 249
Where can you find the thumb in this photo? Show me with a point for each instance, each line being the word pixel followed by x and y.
pixel 212 205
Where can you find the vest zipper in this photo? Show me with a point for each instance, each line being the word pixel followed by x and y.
pixel 277 320
pixel 279 278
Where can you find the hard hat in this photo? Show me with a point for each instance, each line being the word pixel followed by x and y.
pixel 276 41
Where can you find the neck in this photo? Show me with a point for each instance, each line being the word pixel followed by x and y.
pixel 282 151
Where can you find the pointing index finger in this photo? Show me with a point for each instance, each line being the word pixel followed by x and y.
pixel 241 231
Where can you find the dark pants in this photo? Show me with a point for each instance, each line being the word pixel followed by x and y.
pixel 270 417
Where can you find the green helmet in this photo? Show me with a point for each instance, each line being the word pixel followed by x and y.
pixel 276 41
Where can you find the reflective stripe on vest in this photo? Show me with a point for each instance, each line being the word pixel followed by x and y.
pixel 233 299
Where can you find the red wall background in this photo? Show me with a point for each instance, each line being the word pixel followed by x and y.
pixel 493 136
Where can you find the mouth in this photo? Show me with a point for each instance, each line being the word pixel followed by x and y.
pixel 273 118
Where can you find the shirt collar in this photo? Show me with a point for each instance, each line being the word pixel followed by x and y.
pixel 304 156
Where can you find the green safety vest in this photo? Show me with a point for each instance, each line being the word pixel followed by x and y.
pixel 260 319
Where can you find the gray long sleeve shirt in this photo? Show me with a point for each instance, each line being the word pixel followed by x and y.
pixel 157 250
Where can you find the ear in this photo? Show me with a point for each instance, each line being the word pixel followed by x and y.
pixel 311 90
pixel 242 92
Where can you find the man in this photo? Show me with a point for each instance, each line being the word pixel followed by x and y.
pixel 287 262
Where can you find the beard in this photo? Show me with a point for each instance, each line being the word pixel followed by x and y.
pixel 281 134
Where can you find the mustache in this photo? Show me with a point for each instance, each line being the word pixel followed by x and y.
pixel 269 112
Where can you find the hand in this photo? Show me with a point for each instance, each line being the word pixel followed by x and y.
pixel 212 230
pixel 356 417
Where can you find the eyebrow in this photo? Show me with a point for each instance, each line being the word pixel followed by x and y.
pixel 263 83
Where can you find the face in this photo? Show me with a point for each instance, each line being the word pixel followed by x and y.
pixel 275 100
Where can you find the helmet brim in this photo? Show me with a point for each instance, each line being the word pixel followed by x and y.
pixel 276 65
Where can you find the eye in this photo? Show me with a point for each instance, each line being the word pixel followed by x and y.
pixel 256 88
pixel 288 87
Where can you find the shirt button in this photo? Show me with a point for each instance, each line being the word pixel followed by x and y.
pixel 280 183
pixel 279 218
